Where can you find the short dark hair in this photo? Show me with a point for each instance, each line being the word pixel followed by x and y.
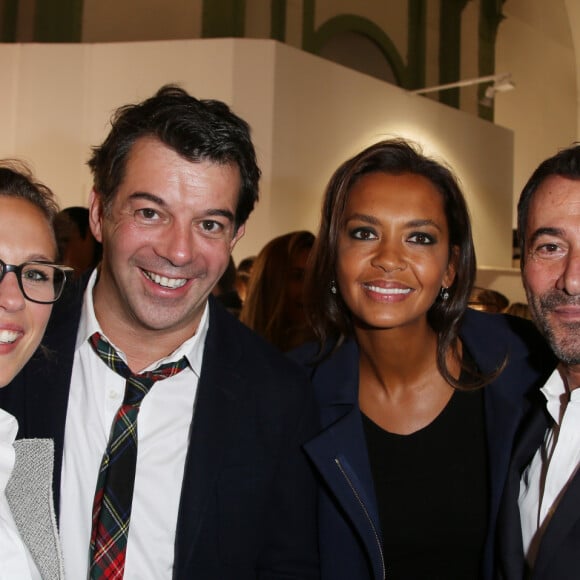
pixel 566 163
pixel 197 130
pixel 327 312
pixel 17 180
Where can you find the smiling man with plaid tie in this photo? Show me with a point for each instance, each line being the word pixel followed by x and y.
pixel 177 430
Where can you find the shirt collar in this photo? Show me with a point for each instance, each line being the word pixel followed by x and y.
pixel 557 395
pixel 192 348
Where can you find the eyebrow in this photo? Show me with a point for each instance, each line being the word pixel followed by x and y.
pixel 557 232
pixel 418 223
pixel 44 258
pixel 147 196
pixel 226 213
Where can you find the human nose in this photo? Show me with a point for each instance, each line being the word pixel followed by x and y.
pixel 11 296
pixel 178 244
pixel 569 280
pixel 388 257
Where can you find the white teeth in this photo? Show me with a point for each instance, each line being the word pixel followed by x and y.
pixel 8 336
pixel 166 282
pixel 388 291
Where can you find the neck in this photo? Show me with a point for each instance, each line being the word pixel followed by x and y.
pixel 142 346
pixel 400 386
pixel 398 359
pixel 571 375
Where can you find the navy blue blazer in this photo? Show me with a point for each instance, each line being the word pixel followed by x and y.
pixel 349 527
pixel 248 500
pixel 558 556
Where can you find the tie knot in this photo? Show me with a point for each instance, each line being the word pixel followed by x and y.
pixel 137 385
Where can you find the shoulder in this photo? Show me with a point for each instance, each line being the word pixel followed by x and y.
pixel 494 338
pixel 247 352
pixel 333 372
pixel 507 329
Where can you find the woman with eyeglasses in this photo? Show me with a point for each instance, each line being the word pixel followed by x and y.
pixel 30 282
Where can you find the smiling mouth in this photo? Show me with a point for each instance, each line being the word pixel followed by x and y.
pixel 387 291
pixel 8 336
pixel 165 281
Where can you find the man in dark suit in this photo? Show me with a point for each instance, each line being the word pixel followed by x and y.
pixel 213 481
pixel 539 524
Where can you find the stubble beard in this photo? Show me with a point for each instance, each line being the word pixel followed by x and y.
pixel 563 337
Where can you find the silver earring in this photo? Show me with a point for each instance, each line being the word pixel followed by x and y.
pixel 333 289
pixel 444 293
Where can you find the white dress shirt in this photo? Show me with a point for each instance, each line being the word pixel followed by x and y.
pixel 553 466
pixel 15 559
pixel 164 423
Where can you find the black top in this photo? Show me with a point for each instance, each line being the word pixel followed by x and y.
pixel 431 488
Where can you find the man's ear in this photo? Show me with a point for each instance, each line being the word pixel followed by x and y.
pixel 96 215
pixel 238 236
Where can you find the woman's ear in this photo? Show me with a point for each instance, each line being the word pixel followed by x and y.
pixel 451 272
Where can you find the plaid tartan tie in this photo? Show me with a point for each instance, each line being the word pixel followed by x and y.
pixel 116 480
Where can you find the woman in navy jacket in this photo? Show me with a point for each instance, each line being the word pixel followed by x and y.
pixel 413 452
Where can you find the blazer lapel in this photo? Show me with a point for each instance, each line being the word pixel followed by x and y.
pixel 29 494
pixel 566 515
pixel 342 462
pixel 510 544
pixel 215 407
pixel 339 452
pixel 528 363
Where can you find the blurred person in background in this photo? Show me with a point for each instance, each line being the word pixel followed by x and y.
pixel 487 300
pixel 274 305
pixel 243 272
pixel 77 246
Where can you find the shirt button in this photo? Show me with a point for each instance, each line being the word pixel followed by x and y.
pixel 113 395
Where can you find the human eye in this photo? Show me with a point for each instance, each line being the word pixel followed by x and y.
pixel 362 233
pixel 214 228
pixel 548 250
pixel 421 238
pixel 37 274
pixel 211 226
pixel 147 214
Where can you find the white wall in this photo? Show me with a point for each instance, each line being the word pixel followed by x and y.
pixel 326 113
pixel 307 115
pixel 535 44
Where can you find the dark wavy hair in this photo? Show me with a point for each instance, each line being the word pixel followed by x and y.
pixel 197 130
pixel 17 180
pixel 566 163
pixel 327 312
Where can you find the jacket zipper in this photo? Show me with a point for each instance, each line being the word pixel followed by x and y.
pixel 362 505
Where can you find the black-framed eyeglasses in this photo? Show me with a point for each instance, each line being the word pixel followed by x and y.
pixel 39 282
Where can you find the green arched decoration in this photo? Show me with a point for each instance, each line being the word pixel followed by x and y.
pixel 490 17
pixel 58 21
pixel 416 52
pixel 9 19
pixel 450 48
pixel 223 18
pixel 278 20
pixel 351 23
